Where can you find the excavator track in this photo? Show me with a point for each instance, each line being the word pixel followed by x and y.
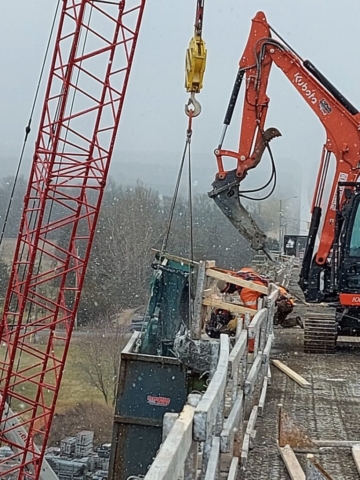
pixel 320 333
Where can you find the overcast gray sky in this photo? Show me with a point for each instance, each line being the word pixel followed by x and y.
pixel 153 119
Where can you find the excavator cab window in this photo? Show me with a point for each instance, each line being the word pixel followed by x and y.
pixel 354 245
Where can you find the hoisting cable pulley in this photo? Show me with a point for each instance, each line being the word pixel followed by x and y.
pixel 195 63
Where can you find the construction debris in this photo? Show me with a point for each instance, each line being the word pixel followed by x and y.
pixel 290 373
pixel 195 354
pixel 314 471
pixel 76 459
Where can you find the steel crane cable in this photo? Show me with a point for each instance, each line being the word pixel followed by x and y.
pixel 28 126
pixel 177 186
pixel 191 224
pixel 190 193
pixel 186 153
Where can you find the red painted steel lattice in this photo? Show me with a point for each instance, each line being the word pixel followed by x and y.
pixel 89 73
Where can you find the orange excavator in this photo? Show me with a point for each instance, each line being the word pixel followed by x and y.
pixel 331 267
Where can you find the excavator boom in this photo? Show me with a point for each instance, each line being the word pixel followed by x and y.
pixel 331 264
pixel 341 121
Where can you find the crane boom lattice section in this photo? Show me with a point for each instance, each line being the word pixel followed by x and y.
pixel 93 54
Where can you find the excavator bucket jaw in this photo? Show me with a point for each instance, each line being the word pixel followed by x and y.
pixel 226 195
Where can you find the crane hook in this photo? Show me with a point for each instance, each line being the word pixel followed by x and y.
pixel 192 106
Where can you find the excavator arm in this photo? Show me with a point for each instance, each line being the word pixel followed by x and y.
pixel 339 117
pixel 227 196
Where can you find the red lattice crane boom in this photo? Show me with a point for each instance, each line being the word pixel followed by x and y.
pixel 94 50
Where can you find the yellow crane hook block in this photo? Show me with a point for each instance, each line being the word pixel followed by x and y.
pixel 195 64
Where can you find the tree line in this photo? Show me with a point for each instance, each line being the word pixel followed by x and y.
pixel 133 220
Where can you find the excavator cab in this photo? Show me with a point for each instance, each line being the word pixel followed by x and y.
pixel 340 276
pixel 348 245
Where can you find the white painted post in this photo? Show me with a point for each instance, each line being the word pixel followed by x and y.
pixel 191 462
pixel 235 359
pixel 170 460
pixel 196 320
pixel 206 413
pixel 213 467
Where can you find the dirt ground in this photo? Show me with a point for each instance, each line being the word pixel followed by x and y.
pixel 329 410
pixel 83 416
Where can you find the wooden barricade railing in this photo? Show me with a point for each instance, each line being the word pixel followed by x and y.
pixel 221 422
pixel 215 431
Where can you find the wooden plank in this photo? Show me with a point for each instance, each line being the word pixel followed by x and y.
pixel 169 462
pixel 233 472
pixel 210 263
pixel 356 456
pixel 335 443
pixel 239 326
pixel 245 449
pixel 253 374
pixel 175 258
pixel 291 463
pixel 213 464
pixel 231 307
pixel 238 352
pixel 273 295
pixel 191 462
pixel 216 273
pixel 263 396
pixel 168 422
pixel 250 428
pixel 232 422
pixel 205 412
pixel 347 339
pixel 256 325
pixel 291 374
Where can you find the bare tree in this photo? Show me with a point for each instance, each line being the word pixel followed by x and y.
pixel 99 357
pixel 120 265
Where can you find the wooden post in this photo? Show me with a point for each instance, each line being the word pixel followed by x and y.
pixel 196 321
pixel 280 440
pixel 291 463
pixel 356 456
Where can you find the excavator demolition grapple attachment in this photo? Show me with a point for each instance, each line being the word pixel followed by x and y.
pixel 226 194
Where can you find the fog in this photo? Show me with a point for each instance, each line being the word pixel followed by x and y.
pixel 152 130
